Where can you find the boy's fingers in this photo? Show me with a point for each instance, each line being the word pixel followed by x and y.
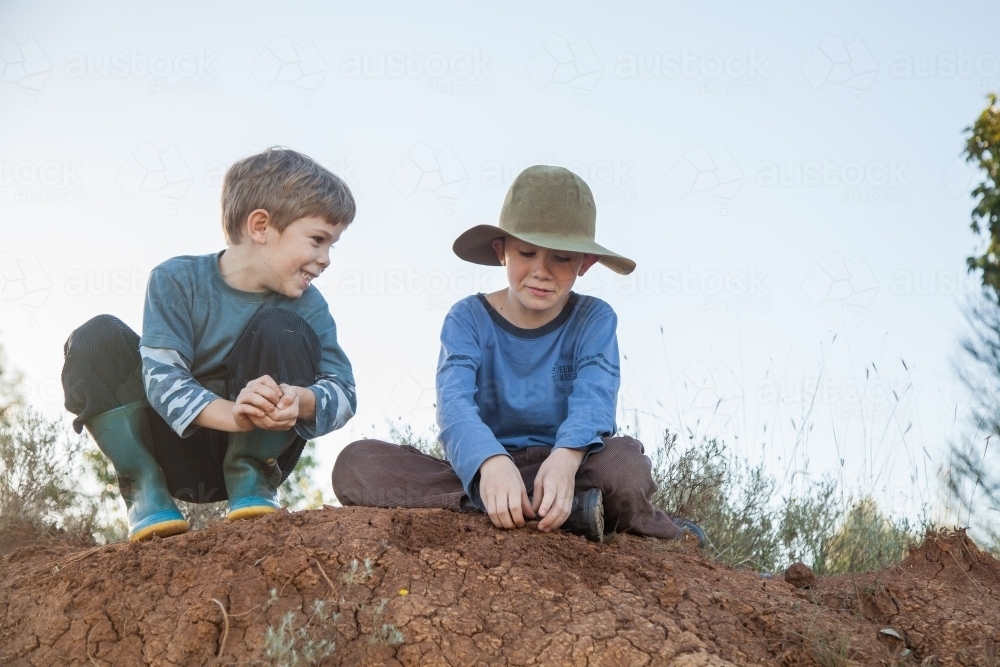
pixel 491 511
pixel 548 497
pixel 282 414
pixel 526 507
pixel 558 504
pixel 259 402
pixel 268 393
pixel 514 507
pixel 536 501
pixel 249 410
pixel 268 382
pixel 503 509
pixel 503 518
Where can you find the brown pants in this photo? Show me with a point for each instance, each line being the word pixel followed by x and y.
pixel 373 473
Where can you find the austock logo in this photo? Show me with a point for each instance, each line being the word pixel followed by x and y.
pixel 559 62
pixel 23 64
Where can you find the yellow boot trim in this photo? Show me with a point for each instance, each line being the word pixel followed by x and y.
pixel 249 512
pixel 162 529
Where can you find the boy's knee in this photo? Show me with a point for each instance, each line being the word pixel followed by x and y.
pixel 348 472
pixel 99 334
pixel 277 320
pixel 626 463
pixel 283 329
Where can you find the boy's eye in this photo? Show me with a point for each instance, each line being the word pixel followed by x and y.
pixel 317 239
pixel 562 259
pixel 526 253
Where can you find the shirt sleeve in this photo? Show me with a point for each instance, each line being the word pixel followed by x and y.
pixel 466 440
pixel 336 402
pixel 334 388
pixel 591 405
pixel 166 315
pixel 171 389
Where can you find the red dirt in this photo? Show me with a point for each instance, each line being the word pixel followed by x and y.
pixel 475 595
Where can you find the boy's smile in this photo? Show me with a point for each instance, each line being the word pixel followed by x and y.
pixel 301 253
pixel 285 262
pixel 540 281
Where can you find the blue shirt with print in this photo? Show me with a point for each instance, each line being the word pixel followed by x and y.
pixel 502 388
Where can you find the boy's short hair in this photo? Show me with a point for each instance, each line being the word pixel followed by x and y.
pixel 286 184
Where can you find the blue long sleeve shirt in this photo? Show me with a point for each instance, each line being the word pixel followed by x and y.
pixel 191 321
pixel 502 388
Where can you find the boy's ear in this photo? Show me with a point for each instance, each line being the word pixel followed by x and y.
pixel 258 224
pixel 588 261
pixel 498 247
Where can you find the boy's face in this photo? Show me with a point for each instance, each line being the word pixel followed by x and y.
pixel 539 278
pixel 297 255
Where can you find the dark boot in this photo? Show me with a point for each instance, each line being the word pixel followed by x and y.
pixel 251 471
pixel 122 434
pixel 693 528
pixel 587 515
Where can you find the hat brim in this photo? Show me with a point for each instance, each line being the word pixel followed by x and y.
pixel 476 246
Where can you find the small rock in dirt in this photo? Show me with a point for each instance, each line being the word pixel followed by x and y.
pixel 800 576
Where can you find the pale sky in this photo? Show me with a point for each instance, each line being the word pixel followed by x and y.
pixel 786 180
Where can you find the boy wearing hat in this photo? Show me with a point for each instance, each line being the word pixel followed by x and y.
pixel 527 383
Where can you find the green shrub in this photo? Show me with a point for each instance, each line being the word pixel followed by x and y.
pixel 749 526
pixel 39 491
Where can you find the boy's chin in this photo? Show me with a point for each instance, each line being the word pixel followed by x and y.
pixel 292 291
pixel 532 302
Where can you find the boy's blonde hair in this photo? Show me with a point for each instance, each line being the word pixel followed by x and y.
pixel 286 184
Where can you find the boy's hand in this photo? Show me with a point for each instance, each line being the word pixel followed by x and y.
pixel 285 413
pixel 502 491
pixel 554 485
pixel 263 404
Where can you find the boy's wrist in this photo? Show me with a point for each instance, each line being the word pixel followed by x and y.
pixel 218 415
pixel 307 403
pixel 571 454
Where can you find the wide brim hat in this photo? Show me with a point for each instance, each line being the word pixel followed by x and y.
pixel 550 207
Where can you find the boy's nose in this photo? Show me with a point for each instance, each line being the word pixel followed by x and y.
pixel 541 269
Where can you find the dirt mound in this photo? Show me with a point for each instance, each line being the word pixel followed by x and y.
pixel 441 588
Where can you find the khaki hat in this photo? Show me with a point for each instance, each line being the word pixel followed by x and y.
pixel 550 207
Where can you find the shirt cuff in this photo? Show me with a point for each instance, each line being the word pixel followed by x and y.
pixel 592 448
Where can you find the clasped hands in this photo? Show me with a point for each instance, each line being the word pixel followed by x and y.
pixel 265 404
pixel 506 499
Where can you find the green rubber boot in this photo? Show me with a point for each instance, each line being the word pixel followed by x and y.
pixel 252 473
pixel 122 435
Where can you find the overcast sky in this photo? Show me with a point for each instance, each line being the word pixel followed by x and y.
pixel 787 180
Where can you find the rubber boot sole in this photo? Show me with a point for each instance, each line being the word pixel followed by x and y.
pixel 250 508
pixel 161 529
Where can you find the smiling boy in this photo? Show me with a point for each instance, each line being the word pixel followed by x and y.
pixel 238 364
pixel 527 384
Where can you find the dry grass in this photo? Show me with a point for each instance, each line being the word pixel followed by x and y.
pixel 750 526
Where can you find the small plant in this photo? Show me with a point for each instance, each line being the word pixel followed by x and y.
pixel 824 649
pixel 290 646
pixel 384 633
pixel 831 652
pixel 428 444
pixel 355 574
